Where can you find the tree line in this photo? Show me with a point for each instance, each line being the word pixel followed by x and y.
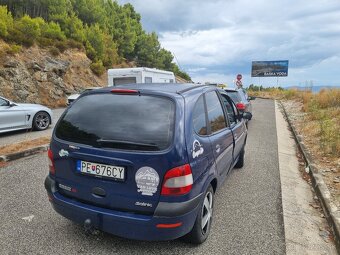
pixel 110 33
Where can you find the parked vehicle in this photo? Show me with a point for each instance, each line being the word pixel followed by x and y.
pixel 144 161
pixel 73 97
pixel 15 116
pixel 121 76
pixel 241 99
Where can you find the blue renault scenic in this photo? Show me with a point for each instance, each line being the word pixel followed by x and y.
pixel 144 161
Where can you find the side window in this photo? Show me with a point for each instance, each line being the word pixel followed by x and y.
pixel 243 95
pixel 3 102
pixel 148 79
pixel 231 111
pixel 215 112
pixel 198 119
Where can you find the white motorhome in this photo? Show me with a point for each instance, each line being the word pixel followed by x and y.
pixel 122 76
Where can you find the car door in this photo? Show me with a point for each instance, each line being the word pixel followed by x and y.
pixel 198 146
pixel 220 135
pixel 11 117
pixel 236 125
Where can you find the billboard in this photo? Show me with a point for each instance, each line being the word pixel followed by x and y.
pixel 269 68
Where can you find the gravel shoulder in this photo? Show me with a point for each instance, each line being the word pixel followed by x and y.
pixel 308 131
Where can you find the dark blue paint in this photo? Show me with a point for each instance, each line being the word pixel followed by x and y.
pixel 116 212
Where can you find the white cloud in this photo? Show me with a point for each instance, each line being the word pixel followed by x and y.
pixel 223 37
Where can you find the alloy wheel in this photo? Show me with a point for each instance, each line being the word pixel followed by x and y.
pixel 207 212
pixel 42 120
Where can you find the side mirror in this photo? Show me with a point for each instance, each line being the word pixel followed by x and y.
pixel 251 98
pixel 247 115
pixel 11 104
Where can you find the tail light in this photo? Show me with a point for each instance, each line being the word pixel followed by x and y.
pixel 241 106
pixel 177 181
pixel 51 161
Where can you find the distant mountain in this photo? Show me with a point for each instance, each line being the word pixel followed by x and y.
pixel 315 89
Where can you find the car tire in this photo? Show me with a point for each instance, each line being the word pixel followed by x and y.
pixel 240 161
pixel 201 228
pixel 41 121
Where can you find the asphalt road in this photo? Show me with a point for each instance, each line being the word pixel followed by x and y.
pixel 247 215
pixel 26 135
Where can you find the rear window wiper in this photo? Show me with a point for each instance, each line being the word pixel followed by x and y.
pixel 120 143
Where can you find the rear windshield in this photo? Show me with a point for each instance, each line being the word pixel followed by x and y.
pixel 128 122
pixel 234 96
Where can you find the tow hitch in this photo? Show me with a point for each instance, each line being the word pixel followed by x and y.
pixel 88 227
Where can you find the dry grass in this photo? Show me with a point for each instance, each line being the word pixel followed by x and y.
pixel 321 137
pixel 322 115
pixel 18 147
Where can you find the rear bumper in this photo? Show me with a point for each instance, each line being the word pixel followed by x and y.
pixel 128 225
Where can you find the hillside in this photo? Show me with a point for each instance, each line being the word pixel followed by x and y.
pixel 50 48
pixel 35 76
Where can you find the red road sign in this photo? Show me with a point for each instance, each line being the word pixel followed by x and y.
pixel 239 77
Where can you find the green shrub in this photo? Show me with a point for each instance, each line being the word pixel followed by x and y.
pixel 329 136
pixel 61 45
pixel 52 30
pixel 74 44
pixel 90 51
pixel 27 30
pixel 14 49
pixel 6 21
pixel 45 42
pixel 3 51
pixel 71 25
pixel 111 56
pixel 95 37
pixel 54 51
pixel 97 68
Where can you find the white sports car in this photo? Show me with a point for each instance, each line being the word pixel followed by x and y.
pixel 14 116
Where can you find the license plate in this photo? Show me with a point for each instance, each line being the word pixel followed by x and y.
pixel 101 170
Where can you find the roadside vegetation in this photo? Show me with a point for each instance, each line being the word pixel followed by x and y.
pixel 321 114
pixel 109 33
pixel 24 145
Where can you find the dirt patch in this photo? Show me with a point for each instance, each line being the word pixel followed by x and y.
pixel 3 164
pixel 309 130
pixel 18 147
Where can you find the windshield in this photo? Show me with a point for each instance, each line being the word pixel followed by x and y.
pixel 128 122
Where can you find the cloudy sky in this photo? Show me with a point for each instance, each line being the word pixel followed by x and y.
pixel 217 39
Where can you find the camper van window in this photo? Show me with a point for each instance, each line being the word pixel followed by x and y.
pixel 148 79
pixel 171 81
pixel 124 80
